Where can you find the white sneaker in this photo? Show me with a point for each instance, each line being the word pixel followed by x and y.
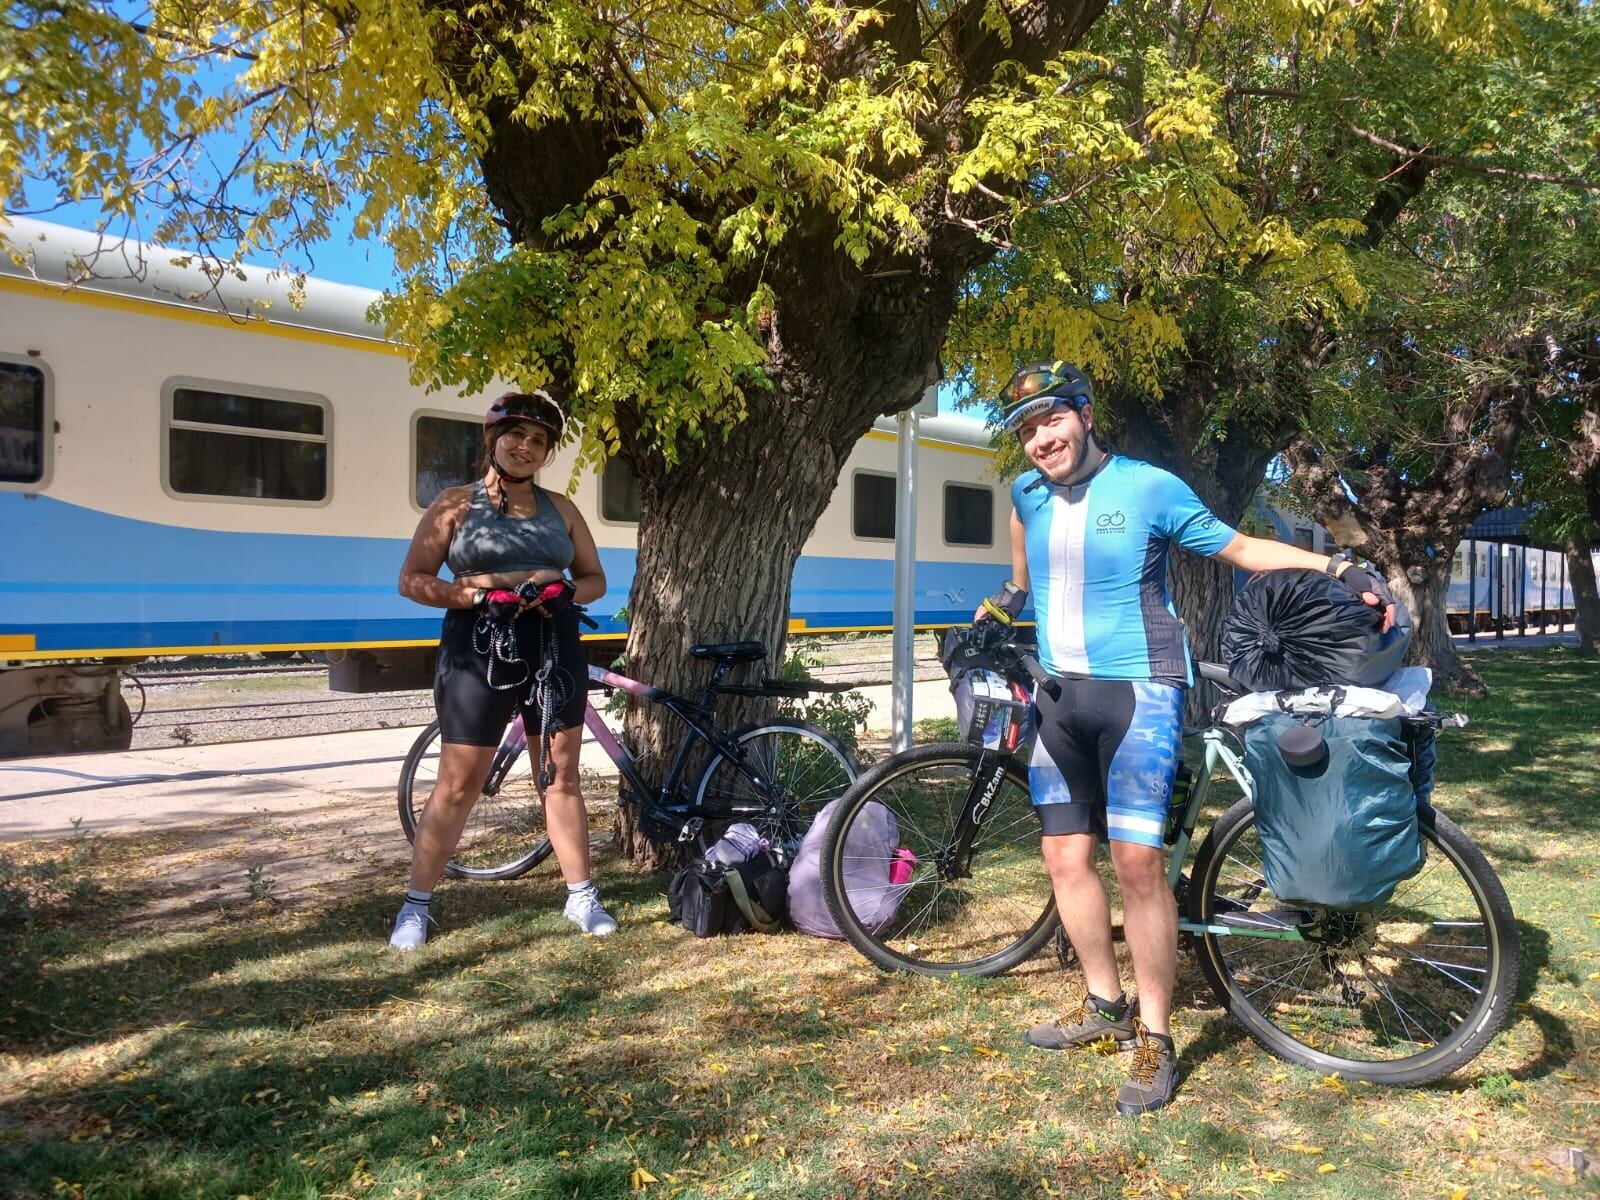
pixel 410 928
pixel 586 912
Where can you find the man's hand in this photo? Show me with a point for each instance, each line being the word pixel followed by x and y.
pixel 1003 607
pixel 1373 589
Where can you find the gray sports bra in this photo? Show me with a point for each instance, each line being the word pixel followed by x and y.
pixel 487 543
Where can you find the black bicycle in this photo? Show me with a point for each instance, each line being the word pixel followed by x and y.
pixel 776 774
pixel 1400 994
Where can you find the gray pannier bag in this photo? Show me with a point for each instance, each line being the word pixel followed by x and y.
pixel 876 873
pixel 1336 802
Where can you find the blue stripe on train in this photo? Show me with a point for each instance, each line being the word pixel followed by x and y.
pixel 77 579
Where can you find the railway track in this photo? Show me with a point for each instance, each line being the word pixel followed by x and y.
pixel 232 701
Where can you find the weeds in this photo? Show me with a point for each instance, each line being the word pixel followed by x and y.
pixel 259 886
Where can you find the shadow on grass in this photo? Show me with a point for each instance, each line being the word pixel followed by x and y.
pixel 267 1053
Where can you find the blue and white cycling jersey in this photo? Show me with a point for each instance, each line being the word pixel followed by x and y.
pixel 1097 567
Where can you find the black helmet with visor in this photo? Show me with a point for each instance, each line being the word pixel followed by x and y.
pixel 535 406
pixel 1039 387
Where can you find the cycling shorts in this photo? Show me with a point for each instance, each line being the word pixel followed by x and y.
pixel 1105 758
pixel 473 712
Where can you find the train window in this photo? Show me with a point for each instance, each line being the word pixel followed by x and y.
pixel 1305 538
pixel 872 506
pixel 445 450
pixel 258 445
pixel 1458 568
pixel 619 493
pixel 22 423
pixel 968 515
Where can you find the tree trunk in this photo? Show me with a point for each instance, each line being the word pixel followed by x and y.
pixel 1423 591
pixel 701 577
pixel 1580 570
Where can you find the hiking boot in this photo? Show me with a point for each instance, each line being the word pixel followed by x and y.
pixel 410 928
pixel 586 912
pixel 1153 1077
pixel 1093 1022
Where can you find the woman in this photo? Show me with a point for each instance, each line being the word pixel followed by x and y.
pixel 509 544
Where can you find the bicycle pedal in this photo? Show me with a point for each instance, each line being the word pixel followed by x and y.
pixel 691 829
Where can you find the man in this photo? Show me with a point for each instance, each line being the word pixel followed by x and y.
pixel 1090 533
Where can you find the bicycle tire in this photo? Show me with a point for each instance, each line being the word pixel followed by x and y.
pixel 494 844
pixel 1360 1002
pixel 807 765
pixel 985 923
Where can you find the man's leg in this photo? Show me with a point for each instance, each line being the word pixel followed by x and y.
pixel 1150 923
pixel 1085 910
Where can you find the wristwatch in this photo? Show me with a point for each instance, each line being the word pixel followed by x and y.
pixel 479 596
pixel 1339 556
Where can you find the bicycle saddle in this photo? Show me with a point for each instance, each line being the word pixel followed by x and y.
pixel 1218 674
pixel 733 652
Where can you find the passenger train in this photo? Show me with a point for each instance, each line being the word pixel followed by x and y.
pixel 191 467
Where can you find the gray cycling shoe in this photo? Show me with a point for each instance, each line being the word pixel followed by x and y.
pixel 586 912
pixel 1153 1077
pixel 1090 1024
pixel 410 928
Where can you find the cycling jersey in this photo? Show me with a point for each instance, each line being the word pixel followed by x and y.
pixel 1097 568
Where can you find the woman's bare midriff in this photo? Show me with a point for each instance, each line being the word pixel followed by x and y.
pixel 509 579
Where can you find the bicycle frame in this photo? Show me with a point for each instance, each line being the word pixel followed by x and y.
pixel 696 718
pixel 1218 754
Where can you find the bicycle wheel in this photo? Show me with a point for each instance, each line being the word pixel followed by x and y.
pixel 803 768
pixel 1401 995
pixel 977 915
pixel 504 836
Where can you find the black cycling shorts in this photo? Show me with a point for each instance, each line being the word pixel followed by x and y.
pixel 473 712
pixel 1105 757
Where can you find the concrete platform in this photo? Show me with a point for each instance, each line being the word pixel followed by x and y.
pixel 284 780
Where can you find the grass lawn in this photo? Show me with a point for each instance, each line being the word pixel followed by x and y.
pixel 247 1047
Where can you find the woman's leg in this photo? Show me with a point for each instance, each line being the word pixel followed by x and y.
pixel 564 815
pixel 568 825
pixel 462 771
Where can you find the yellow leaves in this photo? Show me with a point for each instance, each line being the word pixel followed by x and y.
pixel 1302 1148
pixel 1326 1168
pixel 641 1179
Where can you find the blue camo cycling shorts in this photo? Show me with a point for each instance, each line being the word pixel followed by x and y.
pixel 1105 758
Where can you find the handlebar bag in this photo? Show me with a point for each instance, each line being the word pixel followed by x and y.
pixel 1342 831
pixel 875 879
pixel 1301 629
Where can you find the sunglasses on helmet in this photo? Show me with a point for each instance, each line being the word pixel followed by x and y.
pixel 528 406
pixel 1037 390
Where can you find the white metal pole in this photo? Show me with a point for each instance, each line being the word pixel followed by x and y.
pixel 903 671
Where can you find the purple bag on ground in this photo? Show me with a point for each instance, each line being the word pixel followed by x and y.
pixel 876 878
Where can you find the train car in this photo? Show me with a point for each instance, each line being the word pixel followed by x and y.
pixel 198 467
pixel 190 465
pixel 1493 585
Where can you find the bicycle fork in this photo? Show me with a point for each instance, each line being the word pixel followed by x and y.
pixel 954 861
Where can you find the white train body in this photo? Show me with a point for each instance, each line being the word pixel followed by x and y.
pixel 180 475
pixel 175 480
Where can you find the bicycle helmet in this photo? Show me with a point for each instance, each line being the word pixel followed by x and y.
pixel 1039 387
pixel 535 406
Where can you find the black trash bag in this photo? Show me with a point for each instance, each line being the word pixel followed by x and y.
pixel 1301 629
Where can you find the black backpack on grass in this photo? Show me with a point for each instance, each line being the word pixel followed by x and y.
pixel 710 900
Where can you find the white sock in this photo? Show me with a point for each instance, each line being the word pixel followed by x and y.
pixel 581 886
pixel 416 899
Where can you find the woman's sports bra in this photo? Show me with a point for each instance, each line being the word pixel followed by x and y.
pixel 490 543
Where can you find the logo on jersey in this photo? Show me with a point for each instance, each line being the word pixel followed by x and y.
pixel 1111 522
